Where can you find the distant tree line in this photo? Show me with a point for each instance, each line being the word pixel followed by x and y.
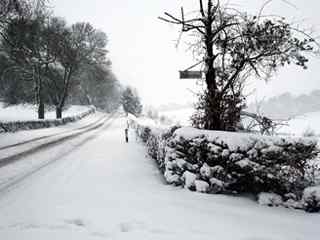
pixel 46 61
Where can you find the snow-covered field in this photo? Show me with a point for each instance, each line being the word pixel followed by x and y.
pixel 27 112
pixel 309 122
pixel 299 125
pixel 180 116
pixel 98 187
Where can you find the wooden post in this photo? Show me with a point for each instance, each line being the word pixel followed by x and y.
pixel 126 134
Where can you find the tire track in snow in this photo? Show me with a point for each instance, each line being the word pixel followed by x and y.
pixel 48 136
pixel 10 185
pixel 8 160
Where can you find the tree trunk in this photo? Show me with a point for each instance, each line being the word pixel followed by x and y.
pixel 67 77
pixel 213 111
pixel 213 100
pixel 40 96
pixel 58 112
pixel 41 110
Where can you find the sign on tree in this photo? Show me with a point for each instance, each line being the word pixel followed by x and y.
pixel 190 74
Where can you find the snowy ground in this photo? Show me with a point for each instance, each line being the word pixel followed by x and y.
pixel 21 141
pixel 309 122
pixel 180 116
pixel 98 187
pixel 26 112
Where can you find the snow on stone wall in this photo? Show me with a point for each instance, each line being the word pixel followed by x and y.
pixel 228 162
pixel 46 123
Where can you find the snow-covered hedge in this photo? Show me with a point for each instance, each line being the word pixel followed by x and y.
pixel 36 124
pixel 278 170
pixel 311 199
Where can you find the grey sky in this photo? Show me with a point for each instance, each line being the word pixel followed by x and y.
pixel 143 52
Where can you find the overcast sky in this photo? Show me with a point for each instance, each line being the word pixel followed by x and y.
pixel 143 52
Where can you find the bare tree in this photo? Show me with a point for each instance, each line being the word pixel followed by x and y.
pixel 235 46
pixel 257 122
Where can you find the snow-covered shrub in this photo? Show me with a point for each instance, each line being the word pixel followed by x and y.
pixel 216 185
pixel 311 199
pixel 269 199
pixel 145 134
pixel 202 186
pixel 293 204
pixel 155 140
pixel 172 177
pixel 153 146
pixel 253 164
pixel 189 179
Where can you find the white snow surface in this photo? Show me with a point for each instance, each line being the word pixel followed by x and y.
pixel 179 116
pixel 234 139
pixel 98 187
pixel 297 125
pixel 27 112
pixel 308 122
pixel 53 133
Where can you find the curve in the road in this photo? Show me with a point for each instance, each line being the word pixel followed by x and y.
pixel 20 155
pixel 105 125
pixel 50 135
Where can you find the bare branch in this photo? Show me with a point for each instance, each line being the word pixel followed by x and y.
pixel 201 9
pixel 186 25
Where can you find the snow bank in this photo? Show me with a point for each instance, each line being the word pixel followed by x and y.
pixel 228 162
pixel 75 113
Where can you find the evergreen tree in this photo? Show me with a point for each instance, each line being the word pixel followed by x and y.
pixel 131 101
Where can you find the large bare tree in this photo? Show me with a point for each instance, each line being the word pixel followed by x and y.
pixel 235 46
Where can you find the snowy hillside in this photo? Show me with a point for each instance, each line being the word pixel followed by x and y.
pixel 288 105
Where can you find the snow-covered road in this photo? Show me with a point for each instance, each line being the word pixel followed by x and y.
pixel 18 145
pixel 97 187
